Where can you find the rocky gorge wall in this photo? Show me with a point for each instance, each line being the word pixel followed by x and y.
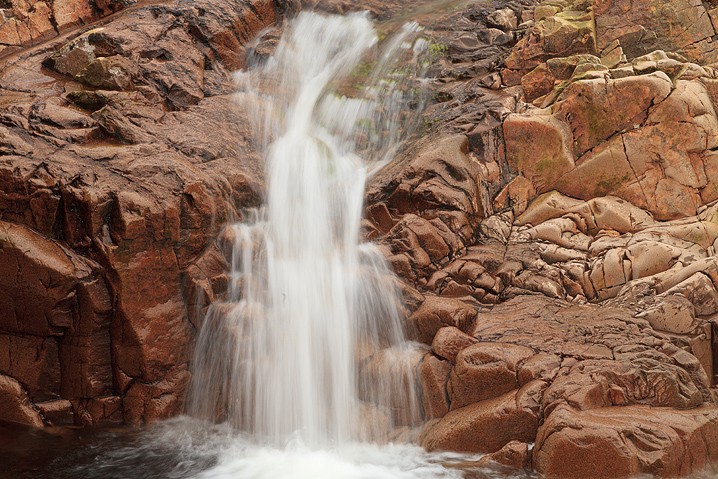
pixel 554 228
pixel 557 239
pixel 118 148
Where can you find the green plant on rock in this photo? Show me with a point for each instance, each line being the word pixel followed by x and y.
pixel 436 49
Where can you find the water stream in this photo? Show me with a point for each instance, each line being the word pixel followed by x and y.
pixel 307 355
pixel 307 301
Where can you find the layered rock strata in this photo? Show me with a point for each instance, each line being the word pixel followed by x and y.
pixel 121 157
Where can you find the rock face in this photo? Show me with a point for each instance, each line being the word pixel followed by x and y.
pixel 568 290
pixel 119 152
pixel 25 23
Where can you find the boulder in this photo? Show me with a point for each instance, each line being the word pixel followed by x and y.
pixel 550 155
pixel 435 313
pixel 433 377
pixel 670 25
pixel 449 341
pixel 16 405
pixel 489 425
pixel 484 371
pixel 618 442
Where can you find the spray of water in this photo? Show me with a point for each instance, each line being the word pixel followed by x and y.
pixel 309 344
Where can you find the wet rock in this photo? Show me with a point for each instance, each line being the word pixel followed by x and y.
pixel 433 376
pixel 515 454
pixel 16 405
pixel 111 190
pixel 57 413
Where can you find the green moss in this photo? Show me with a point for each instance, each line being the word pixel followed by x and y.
pixel 363 69
pixel 437 50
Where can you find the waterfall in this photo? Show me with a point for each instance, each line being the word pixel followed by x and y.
pixel 309 341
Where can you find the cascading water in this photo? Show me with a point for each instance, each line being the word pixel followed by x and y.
pixel 309 343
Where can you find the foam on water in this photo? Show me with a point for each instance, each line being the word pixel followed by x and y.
pixel 186 448
pixel 350 461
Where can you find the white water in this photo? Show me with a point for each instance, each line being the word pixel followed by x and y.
pixel 307 300
pixel 307 354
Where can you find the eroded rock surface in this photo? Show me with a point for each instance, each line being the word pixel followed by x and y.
pixel 121 157
pixel 584 269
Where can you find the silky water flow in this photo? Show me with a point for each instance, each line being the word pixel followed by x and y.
pixel 307 355
pixel 309 342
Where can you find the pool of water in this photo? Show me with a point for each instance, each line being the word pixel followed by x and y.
pixel 186 448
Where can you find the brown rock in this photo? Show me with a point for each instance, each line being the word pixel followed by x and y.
pixel 435 313
pixel 596 109
pixel 550 155
pixel 514 454
pixel 450 341
pixel 433 376
pixel 594 384
pixel 484 371
pixel 559 35
pixel 622 442
pixel 102 237
pixel 504 19
pixel 16 406
pixel 72 13
pixel 57 413
pixel 539 366
pixel 538 82
pixel 670 25
pixel 516 195
pixel 487 426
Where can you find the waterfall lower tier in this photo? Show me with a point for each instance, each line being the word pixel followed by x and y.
pixel 309 344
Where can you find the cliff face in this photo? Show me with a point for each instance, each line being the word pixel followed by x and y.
pixel 554 229
pixel 557 238
pixel 121 156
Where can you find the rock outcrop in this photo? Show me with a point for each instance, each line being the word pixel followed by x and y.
pixel 121 157
pixel 558 247
pixel 24 23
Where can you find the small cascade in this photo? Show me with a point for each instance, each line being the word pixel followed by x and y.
pixel 309 343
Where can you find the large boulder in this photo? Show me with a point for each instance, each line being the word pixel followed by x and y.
pixel 626 442
pixel 487 426
pixel 682 25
